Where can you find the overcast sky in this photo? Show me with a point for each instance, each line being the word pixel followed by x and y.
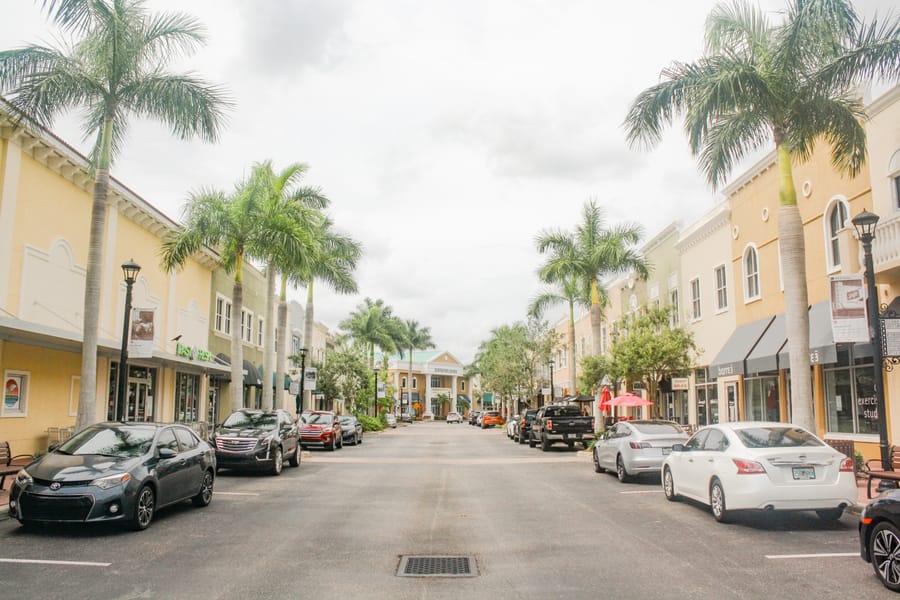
pixel 447 133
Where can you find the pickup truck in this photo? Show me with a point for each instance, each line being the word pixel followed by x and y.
pixel 561 423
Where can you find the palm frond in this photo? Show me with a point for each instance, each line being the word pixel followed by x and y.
pixel 873 55
pixel 731 138
pixel 189 105
pixel 737 27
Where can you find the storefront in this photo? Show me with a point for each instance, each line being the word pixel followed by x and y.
pixel 707 391
pixel 850 403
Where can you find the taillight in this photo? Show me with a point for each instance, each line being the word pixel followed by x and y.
pixel 549 424
pixel 748 467
pixel 847 465
pixel 522 423
pixel 638 445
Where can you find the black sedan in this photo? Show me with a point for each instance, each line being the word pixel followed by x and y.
pixel 879 537
pixel 351 429
pixel 257 440
pixel 115 472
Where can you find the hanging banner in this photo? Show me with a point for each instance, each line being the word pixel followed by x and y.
pixel 380 391
pixel 142 332
pixel 848 309
pixel 309 379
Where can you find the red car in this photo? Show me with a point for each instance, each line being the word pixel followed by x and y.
pixel 491 418
pixel 321 428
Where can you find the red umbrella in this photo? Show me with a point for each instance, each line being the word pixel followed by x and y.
pixel 604 399
pixel 629 400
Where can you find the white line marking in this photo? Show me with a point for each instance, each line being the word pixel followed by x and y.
pixel 235 494
pixel 54 562
pixel 833 555
pixel 643 492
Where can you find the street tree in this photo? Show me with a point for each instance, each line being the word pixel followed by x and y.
pixel 343 374
pixel 789 83
pixel 415 337
pixel 373 325
pixel 114 69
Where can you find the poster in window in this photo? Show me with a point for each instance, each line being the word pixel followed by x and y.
pixel 142 332
pixel 848 309
pixel 12 394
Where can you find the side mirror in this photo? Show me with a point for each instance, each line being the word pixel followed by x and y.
pixel 167 453
pixel 678 448
pixel 53 447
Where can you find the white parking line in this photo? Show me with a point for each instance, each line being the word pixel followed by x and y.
pixel 234 493
pixel 68 563
pixel 832 555
pixel 643 492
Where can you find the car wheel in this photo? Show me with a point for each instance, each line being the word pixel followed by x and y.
pixel 294 460
pixel 144 509
pixel 833 514
pixel 278 462
pixel 621 473
pixel 545 444
pixel 717 501
pixel 204 496
pixel 597 467
pixel 884 549
pixel 333 445
pixel 669 485
pixel 571 445
pixel 531 441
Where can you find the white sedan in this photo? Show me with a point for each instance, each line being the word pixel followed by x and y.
pixel 760 466
pixel 454 417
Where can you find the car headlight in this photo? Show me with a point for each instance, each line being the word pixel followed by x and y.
pixel 23 478
pixel 110 481
pixel 266 442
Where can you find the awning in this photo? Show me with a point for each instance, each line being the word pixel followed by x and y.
pixel 251 373
pixel 463 397
pixel 730 360
pixel 764 356
pixel 822 349
pixel 180 361
pixel 287 380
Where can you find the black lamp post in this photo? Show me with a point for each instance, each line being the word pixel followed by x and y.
pixel 302 352
pixel 865 223
pixel 550 362
pixel 130 271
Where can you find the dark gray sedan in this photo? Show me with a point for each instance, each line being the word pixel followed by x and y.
pixel 351 429
pixel 115 472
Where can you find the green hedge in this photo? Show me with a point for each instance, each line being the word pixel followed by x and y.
pixel 372 423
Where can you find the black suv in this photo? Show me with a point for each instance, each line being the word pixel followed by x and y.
pixel 257 440
pixel 473 417
pixel 523 427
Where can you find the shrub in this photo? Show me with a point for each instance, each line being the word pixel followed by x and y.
pixel 371 423
pixel 860 462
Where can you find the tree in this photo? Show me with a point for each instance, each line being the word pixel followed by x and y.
pixel 415 337
pixel 790 84
pixel 373 325
pixel 115 70
pixel 343 374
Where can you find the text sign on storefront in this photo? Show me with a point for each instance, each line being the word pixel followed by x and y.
pixel 680 384
pixel 890 337
pixel 868 407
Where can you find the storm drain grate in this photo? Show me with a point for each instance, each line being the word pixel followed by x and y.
pixel 437 566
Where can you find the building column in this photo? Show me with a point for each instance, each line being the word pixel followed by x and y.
pixel 396 407
pixel 427 412
pixel 453 393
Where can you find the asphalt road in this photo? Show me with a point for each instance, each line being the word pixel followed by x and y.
pixel 540 525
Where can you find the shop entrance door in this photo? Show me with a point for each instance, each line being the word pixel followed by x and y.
pixel 140 402
pixel 731 397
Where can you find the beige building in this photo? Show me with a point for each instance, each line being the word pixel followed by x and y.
pixel 435 374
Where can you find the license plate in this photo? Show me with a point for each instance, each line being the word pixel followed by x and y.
pixel 804 473
pixel 666 451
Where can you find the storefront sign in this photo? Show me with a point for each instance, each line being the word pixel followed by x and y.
pixel 189 352
pixel 848 309
pixel 142 332
pixel 867 407
pixel 294 388
pixel 680 384
pixel 890 337
pixel 379 393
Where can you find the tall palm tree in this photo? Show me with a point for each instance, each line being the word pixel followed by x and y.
pixel 115 70
pixel 592 252
pixel 791 84
pixel 415 337
pixel 373 325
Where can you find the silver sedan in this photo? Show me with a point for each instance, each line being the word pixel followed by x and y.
pixel 633 447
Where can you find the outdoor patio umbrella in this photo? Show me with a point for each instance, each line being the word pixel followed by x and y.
pixel 604 399
pixel 629 400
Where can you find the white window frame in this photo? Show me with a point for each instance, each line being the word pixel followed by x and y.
pixel 832 238
pixel 721 290
pixel 696 308
pixel 24 388
pixel 222 322
pixel 894 178
pixel 247 325
pixel 260 331
pixel 748 297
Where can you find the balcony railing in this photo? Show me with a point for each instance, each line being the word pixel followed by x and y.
pixel 886 245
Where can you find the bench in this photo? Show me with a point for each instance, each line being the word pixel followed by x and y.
pixel 6 462
pixel 880 472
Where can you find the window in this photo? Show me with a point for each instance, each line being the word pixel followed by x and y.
pixel 435 381
pixel 295 344
pixel 247 326
pixel 415 383
pixel 751 274
pixel 673 302
pixel 721 288
pixel 187 396
pixel 403 382
pixel 695 299
pixel 15 394
pixel 463 385
pixel 604 335
pixel 260 330
pixel 167 440
pixel 223 315
pixel 835 220
pixel 186 439
pixel 894 176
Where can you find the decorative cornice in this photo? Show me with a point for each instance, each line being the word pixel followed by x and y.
pixel 883 101
pixel 660 237
pixel 704 227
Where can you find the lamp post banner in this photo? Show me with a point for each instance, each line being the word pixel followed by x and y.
pixel 309 379
pixel 142 332
pixel 849 321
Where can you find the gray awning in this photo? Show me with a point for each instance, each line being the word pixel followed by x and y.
pixel 730 359
pixel 822 349
pixel 764 356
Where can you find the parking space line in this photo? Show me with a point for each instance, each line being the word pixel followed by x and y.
pixel 235 493
pixel 832 555
pixel 643 492
pixel 68 563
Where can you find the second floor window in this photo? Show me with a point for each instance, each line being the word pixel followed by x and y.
pixel 223 315
pixel 695 299
pixel 260 330
pixel 721 288
pixel 751 274
pixel 247 326
pixel 435 381
pixel 673 302
pixel 837 216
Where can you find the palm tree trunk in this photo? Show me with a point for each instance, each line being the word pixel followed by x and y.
pixel 796 300
pixel 596 332
pixel 268 341
pixel 572 374
pixel 307 330
pixel 87 396
pixel 237 346
pixel 283 338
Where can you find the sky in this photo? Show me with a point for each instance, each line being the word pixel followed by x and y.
pixel 446 133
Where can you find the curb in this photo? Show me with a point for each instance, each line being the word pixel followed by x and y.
pixel 4 512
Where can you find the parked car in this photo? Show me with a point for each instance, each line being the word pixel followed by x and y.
pixel 351 429
pixel 511 427
pixel 879 537
pixel 473 417
pixel 257 440
pixel 115 472
pixel 391 420
pixel 454 417
pixel 760 466
pixel 491 418
pixel 523 426
pixel 321 429
pixel 633 447
pixel 406 417
pixel 561 423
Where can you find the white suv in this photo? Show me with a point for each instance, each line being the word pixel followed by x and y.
pixel 454 417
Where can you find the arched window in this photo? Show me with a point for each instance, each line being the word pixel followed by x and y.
pixel 835 220
pixel 751 273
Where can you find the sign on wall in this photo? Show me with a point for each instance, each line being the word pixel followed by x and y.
pixel 848 309
pixel 12 394
pixel 680 384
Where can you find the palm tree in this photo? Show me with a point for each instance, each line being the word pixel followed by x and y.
pixel 415 337
pixel 114 71
pixel 373 324
pixel 592 252
pixel 791 84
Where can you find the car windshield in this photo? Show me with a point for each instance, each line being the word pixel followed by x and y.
pixel 346 420
pixel 242 420
pixel 121 440
pixel 652 428
pixel 777 437
pixel 320 419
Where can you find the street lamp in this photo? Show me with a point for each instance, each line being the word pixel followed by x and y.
pixel 130 270
pixel 302 352
pixel 550 362
pixel 865 223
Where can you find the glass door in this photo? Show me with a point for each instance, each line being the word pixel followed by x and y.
pixel 731 396
pixel 140 401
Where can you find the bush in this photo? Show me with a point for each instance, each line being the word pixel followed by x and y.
pixel 371 423
pixel 860 462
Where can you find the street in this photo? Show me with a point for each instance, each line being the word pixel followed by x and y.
pixel 539 524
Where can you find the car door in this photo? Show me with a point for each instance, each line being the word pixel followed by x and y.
pixel 168 470
pixel 715 459
pixel 288 432
pixel 191 453
pixel 685 465
pixel 606 448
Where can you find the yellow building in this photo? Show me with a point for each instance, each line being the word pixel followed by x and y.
pixel 435 375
